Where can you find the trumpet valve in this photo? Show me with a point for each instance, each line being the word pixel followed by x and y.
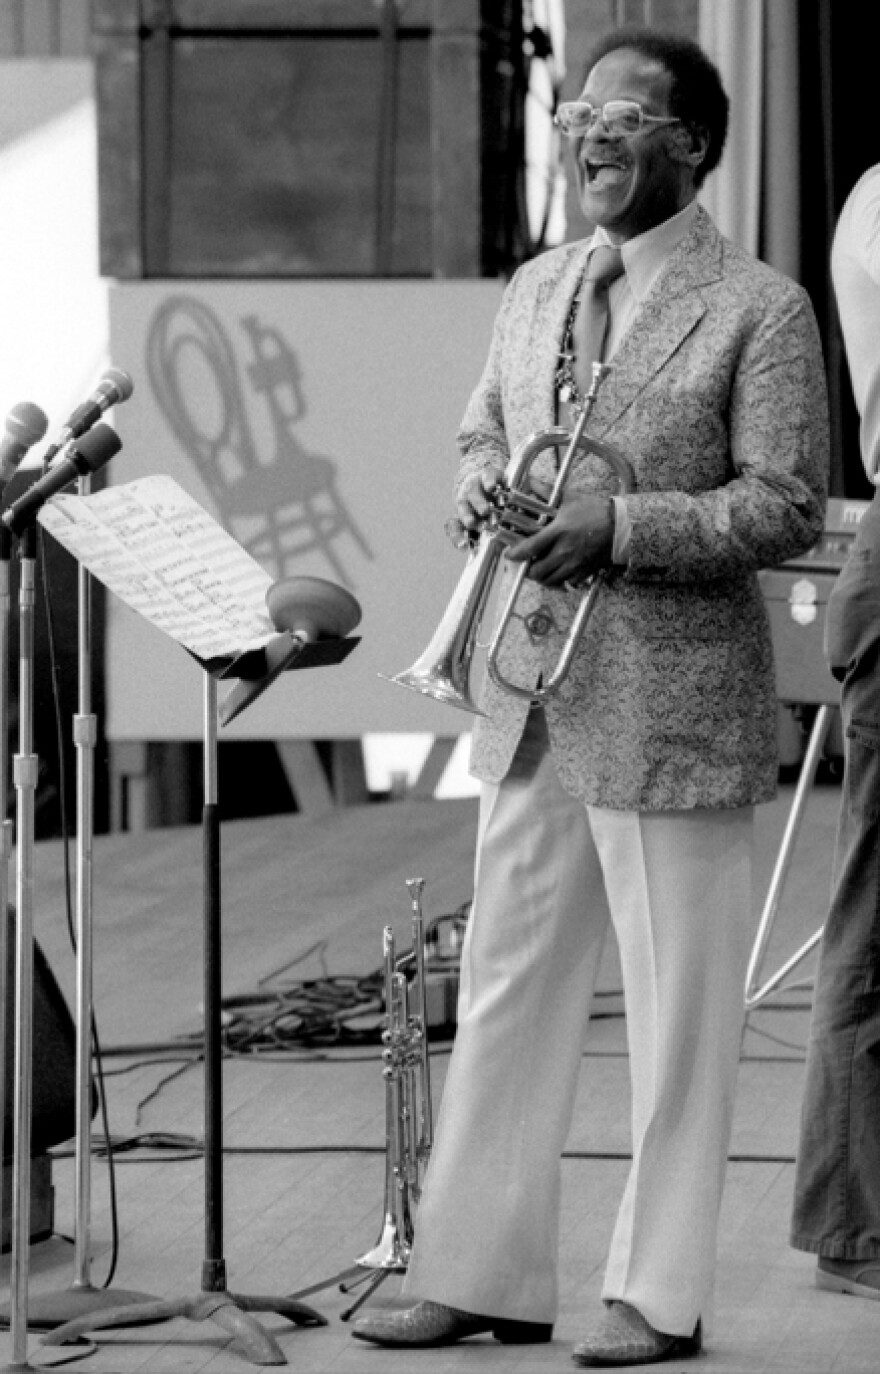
pixel 523 514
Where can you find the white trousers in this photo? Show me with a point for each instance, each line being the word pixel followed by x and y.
pixel 550 872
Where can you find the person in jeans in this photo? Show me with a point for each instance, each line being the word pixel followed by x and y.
pixel 836 1212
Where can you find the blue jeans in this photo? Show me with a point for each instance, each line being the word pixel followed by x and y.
pixel 837 1185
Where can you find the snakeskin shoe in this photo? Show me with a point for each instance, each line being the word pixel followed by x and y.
pixel 432 1323
pixel 624 1337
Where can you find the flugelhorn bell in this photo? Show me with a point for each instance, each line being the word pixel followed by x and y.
pixel 443 671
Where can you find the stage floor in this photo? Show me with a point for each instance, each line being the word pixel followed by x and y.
pixel 307 899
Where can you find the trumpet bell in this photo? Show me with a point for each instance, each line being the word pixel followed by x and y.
pixel 446 682
pixel 391 1252
pixel 443 670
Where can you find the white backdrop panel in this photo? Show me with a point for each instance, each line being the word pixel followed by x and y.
pixel 316 422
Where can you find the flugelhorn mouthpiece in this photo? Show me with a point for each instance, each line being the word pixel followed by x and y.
pixel 600 372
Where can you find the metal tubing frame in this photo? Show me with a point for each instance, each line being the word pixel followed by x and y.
pixel 755 994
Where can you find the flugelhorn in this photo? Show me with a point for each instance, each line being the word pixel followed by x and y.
pixel 443 670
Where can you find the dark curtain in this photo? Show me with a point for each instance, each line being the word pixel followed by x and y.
pixel 504 85
pixel 838 141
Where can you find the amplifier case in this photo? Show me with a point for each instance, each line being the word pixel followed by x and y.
pixel 796 595
pixel 797 624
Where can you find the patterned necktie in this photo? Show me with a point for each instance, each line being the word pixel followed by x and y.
pixel 591 322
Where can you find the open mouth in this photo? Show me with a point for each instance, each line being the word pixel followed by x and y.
pixel 602 174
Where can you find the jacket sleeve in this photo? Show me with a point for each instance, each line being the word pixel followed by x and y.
pixel 772 507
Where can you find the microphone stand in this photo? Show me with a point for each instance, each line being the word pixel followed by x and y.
pixel 6 828
pixel 25 779
pixel 48 1310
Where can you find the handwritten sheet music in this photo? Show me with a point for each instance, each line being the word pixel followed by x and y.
pixel 160 552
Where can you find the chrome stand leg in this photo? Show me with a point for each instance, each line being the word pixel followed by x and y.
pixel 754 994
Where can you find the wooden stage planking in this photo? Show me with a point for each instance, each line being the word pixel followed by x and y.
pixel 304 1131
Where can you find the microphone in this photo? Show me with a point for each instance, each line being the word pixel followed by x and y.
pixel 114 387
pixel 25 426
pixel 89 454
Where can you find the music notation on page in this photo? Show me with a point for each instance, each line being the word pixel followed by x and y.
pixel 152 545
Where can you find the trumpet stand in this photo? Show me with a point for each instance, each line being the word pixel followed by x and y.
pixel 409 1125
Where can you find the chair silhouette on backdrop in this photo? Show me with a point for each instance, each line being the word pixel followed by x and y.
pixel 278 506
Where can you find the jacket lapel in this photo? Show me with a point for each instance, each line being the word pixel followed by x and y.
pixel 556 295
pixel 672 309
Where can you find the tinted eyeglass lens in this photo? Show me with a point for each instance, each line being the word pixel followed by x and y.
pixel 576 117
pixel 621 117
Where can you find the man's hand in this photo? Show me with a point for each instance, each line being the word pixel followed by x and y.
pixel 577 542
pixel 474 500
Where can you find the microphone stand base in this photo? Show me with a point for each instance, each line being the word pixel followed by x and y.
pixel 230 1311
pixel 48 1310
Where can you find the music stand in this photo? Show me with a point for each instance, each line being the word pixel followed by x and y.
pixel 315 618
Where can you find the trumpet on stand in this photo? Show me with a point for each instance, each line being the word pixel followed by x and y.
pixel 409 1119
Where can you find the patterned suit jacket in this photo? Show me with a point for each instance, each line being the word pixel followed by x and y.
pixel 717 395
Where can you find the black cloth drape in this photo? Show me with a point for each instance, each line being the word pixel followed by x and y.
pixel 838 141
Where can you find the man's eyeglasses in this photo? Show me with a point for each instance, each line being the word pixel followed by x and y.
pixel 620 118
